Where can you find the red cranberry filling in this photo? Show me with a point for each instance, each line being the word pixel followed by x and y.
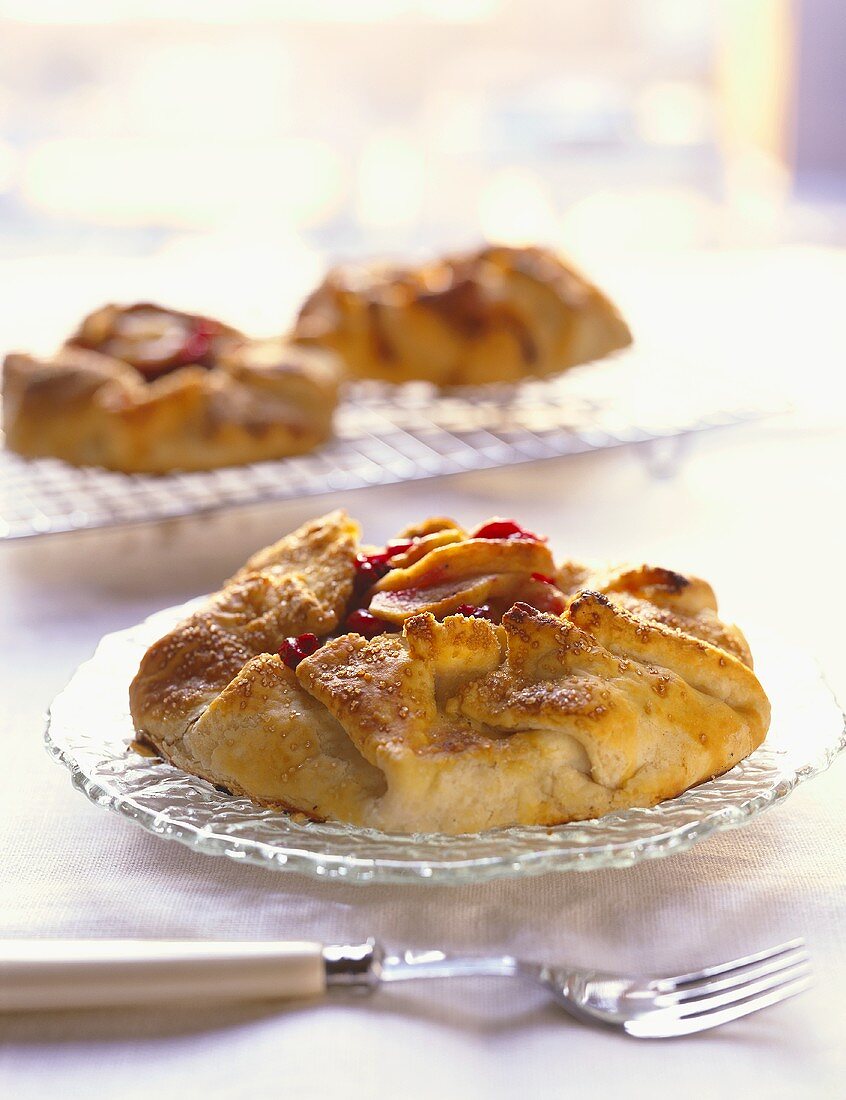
pixel 473 611
pixel 370 568
pixel 368 571
pixel 505 529
pixel 398 546
pixel 294 650
pixel 380 557
pixel 364 623
pixel 198 344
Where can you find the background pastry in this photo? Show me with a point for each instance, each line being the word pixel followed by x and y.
pixel 149 390
pixel 450 682
pixel 155 340
pixel 494 315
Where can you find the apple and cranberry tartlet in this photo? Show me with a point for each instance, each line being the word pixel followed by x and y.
pixel 451 682
pixel 143 389
pixel 497 314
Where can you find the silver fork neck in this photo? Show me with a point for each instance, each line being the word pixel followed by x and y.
pixel 354 966
pixel 436 964
pixel 364 966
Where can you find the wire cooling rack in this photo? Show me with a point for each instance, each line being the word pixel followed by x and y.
pixel 390 434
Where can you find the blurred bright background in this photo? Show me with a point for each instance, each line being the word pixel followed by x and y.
pixel 219 155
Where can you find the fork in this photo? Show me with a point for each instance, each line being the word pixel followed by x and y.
pixel 61 974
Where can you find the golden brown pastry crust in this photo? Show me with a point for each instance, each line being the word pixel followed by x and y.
pixel 243 401
pixel 494 315
pixel 634 693
pixel 155 340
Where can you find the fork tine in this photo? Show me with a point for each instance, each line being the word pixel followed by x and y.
pixel 664 1025
pixel 679 980
pixel 740 977
pixel 709 1001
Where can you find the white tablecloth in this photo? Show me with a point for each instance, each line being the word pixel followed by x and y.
pixel 757 510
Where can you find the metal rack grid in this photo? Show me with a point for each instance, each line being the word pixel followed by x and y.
pixel 391 434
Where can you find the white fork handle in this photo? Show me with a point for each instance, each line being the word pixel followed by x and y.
pixel 58 974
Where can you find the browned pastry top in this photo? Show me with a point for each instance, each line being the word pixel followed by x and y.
pixel 155 340
pixel 494 315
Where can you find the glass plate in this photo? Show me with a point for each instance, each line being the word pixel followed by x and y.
pixel 89 730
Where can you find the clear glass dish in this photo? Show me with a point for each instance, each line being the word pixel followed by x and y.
pixel 90 731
